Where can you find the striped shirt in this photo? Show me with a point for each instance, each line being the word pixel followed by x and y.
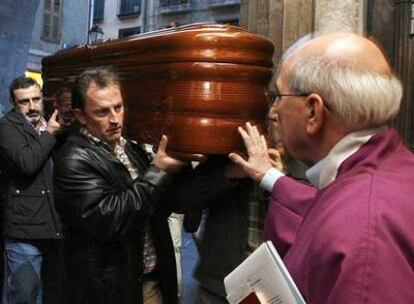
pixel 41 126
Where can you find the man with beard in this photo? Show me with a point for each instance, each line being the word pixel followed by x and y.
pixel 31 226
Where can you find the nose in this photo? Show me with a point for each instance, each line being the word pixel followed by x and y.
pixel 272 115
pixel 31 104
pixel 113 117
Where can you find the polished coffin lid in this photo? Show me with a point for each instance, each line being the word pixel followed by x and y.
pixel 194 83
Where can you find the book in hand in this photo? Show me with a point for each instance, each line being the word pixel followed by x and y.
pixel 262 278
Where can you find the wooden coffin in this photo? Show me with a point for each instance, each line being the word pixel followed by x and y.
pixel 194 83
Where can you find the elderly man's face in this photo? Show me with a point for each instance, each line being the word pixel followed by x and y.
pixel 273 133
pixel 103 114
pixel 29 102
pixel 287 120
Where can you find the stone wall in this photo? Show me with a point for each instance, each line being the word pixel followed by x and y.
pixel 16 23
pixel 284 21
pixel 339 16
pixel 73 30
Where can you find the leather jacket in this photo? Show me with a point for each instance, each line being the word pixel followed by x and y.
pixel 103 212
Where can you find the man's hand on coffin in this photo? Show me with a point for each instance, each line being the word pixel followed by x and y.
pixel 165 162
pixel 258 160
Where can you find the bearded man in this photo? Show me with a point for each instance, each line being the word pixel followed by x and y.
pixel 30 224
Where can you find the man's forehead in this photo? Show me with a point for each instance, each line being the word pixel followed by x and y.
pixel 103 97
pixel 65 93
pixel 281 80
pixel 29 91
pixel 95 89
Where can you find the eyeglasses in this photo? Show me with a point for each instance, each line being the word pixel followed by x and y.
pixel 277 96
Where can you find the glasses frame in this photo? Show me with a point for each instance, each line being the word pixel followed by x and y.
pixel 278 96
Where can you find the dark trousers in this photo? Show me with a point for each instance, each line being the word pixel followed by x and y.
pixel 205 296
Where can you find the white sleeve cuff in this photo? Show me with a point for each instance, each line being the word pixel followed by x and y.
pixel 270 178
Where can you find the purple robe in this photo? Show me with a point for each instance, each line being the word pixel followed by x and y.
pixel 352 241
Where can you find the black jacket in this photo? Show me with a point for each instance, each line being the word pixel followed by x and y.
pixel 27 197
pixel 103 212
pixel 223 245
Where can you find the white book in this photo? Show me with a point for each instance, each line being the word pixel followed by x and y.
pixel 262 278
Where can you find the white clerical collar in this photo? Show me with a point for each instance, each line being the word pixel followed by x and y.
pixel 324 172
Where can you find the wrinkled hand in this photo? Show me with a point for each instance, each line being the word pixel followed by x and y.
pixel 53 126
pixel 258 161
pixel 165 162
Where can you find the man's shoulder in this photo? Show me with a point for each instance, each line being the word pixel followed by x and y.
pixel 11 117
pixel 74 145
pixel 12 125
pixel 4 119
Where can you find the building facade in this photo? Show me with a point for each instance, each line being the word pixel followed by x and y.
pixel 122 18
pixel 166 13
pixel 118 18
pixel 16 21
pixel 58 24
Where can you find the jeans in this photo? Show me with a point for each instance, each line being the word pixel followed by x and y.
pixel 22 283
pixel 33 272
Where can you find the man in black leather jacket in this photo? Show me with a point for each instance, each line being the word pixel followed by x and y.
pixel 112 203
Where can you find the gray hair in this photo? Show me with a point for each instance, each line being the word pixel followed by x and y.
pixel 359 98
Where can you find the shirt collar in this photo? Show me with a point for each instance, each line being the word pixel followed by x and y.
pixel 324 172
pixel 41 125
pixel 120 144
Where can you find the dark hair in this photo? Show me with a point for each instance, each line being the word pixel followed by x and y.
pixel 21 82
pixel 102 77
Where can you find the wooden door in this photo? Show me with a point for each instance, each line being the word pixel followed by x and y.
pixel 404 66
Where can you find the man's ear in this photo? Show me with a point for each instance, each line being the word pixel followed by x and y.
pixel 79 116
pixel 315 114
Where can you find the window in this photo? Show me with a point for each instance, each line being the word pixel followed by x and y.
pixel 229 22
pixel 173 2
pixel 412 18
pixel 51 20
pixel 98 10
pixel 125 32
pixel 129 7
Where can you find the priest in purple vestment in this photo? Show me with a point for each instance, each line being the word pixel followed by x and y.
pixel 349 237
